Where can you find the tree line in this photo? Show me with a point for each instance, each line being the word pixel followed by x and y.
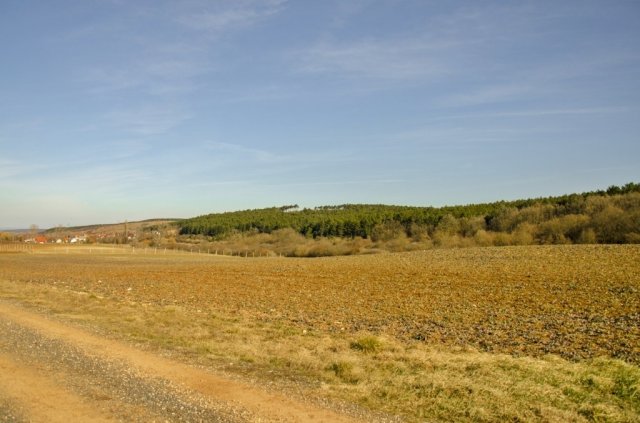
pixel 603 216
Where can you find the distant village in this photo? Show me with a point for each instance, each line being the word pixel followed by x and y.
pixel 79 239
pixel 152 232
pixel 91 236
pixel 41 239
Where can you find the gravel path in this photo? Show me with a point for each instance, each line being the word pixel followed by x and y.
pixel 53 372
pixel 117 390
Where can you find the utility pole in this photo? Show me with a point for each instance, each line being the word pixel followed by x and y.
pixel 126 233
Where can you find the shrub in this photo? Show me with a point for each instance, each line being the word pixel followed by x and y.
pixel 345 371
pixel 612 225
pixel 387 231
pixel 419 233
pixel 449 225
pixel 367 344
pixel 483 238
pixel 524 234
pixel 588 236
pixel 469 226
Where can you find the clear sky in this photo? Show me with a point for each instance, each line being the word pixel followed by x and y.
pixel 114 110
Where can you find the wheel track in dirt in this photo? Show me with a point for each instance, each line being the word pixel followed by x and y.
pixel 56 372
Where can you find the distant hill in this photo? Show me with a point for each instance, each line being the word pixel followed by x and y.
pixel 111 227
pixel 357 219
pixel 603 216
pixel 360 220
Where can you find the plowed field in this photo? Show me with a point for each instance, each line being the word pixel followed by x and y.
pixel 574 301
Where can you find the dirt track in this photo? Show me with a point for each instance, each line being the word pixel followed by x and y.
pixel 52 372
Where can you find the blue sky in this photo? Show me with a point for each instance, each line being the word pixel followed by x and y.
pixel 114 110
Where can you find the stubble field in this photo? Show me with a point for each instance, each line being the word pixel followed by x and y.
pixel 339 323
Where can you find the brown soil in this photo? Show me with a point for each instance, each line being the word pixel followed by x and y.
pixel 577 301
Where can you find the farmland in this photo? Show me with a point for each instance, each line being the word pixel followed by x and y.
pixel 336 324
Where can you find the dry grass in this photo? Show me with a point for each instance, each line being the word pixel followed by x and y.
pixel 334 331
